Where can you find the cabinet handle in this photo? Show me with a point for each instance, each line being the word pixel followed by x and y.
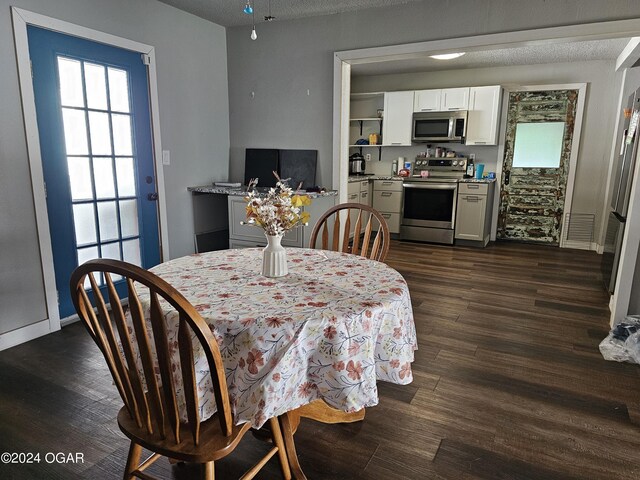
pixel 426 109
pixel 386 194
pixel 473 187
pixel 472 199
pixel 454 108
pixel 386 215
pixel 479 143
pixel 387 183
pixel 396 143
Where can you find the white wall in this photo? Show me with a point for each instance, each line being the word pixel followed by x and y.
pixel 290 57
pixel 194 113
pixel 597 127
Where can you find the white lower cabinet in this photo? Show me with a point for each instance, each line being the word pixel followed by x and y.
pixel 473 213
pixel 387 199
pixel 246 236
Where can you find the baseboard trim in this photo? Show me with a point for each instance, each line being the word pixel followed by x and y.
pixel 582 245
pixel 24 334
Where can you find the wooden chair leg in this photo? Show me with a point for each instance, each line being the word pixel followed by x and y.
pixel 133 460
pixel 292 456
pixel 209 471
pixel 276 434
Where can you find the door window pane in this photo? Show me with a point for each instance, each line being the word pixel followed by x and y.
pixel 69 73
pixel 103 178
pixel 538 145
pixel 96 86
pixel 111 250
pixel 129 218
pixel 121 134
pixel 80 178
pixel 118 90
pixel 108 221
pixel 75 131
pixel 85 254
pixel 131 251
pixel 100 133
pixel 84 223
pixel 126 177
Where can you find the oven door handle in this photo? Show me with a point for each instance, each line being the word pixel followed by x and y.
pixel 432 186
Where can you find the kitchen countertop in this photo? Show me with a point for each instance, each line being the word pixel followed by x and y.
pixel 242 191
pixel 477 180
pixel 358 178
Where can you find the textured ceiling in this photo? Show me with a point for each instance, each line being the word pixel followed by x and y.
pixel 529 55
pixel 229 13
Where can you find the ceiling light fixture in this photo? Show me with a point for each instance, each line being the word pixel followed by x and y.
pixel 254 35
pixel 269 17
pixel 447 56
pixel 248 9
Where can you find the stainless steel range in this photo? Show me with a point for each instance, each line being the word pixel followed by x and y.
pixel 429 200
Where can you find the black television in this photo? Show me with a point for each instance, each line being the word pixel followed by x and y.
pixel 298 166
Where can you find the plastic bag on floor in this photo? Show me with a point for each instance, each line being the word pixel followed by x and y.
pixel 623 342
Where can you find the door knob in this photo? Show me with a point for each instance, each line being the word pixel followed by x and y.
pixel 507 176
pixel 152 197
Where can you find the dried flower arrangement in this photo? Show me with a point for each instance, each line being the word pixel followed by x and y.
pixel 277 211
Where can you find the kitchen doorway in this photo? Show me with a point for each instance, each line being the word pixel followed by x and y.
pixel 542 137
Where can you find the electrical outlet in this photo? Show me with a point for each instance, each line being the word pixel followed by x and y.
pixel 166 157
pixel 367 157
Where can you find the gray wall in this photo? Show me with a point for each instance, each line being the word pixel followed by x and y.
pixel 192 85
pixel 597 126
pixel 290 57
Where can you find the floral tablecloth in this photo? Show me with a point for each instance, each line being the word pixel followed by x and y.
pixel 329 329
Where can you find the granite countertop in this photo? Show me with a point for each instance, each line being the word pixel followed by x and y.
pixel 242 191
pixel 358 178
pixel 477 180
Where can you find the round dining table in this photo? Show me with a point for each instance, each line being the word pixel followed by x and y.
pixel 330 329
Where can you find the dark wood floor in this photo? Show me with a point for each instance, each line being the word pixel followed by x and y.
pixel 509 384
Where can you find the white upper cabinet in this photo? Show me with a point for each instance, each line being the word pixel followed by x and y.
pixel 484 115
pixel 454 99
pixel 398 111
pixel 441 100
pixel 426 100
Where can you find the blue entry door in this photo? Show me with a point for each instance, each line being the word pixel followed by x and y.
pixel 93 113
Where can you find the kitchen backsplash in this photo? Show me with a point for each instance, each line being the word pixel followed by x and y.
pixel 486 155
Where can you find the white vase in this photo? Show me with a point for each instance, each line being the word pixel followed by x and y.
pixel 274 257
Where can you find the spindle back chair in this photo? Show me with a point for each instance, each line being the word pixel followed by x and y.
pixel 138 350
pixel 374 244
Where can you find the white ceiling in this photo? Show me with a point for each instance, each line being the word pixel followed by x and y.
pixel 228 13
pixel 528 55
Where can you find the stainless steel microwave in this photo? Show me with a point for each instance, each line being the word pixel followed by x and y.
pixel 439 126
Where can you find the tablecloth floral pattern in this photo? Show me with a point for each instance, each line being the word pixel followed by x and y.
pixel 329 329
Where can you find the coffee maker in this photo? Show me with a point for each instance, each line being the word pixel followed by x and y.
pixel 356 164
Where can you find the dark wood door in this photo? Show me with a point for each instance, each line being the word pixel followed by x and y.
pixel 540 127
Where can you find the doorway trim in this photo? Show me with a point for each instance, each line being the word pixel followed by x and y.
pixel 21 18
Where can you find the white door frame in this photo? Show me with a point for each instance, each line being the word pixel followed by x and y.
pixel 573 157
pixel 22 18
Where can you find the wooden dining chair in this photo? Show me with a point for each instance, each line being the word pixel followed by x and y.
pixel 367 223
pixel 139 359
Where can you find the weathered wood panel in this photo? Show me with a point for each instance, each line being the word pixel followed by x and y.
pixel 535 192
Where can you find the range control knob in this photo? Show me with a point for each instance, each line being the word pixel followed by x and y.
pixel 455 162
